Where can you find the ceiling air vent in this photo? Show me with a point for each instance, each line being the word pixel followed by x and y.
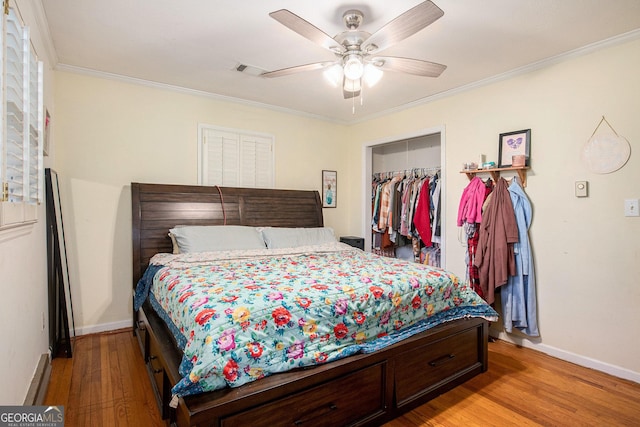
pixel 248 69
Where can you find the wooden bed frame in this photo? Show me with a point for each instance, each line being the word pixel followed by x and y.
pixel 359 390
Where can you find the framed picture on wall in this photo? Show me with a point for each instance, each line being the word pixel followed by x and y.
pixel 329 189
pixel 513 144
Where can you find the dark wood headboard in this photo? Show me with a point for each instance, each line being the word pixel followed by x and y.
pixel 156 208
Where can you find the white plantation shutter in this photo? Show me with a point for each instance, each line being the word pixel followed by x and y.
pixel 256 161
pixel 220 158
pixel 21 166
pixel 34 129
pixel 235 158
pixel 14 90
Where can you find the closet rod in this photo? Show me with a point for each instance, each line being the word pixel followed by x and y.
pixel 412 171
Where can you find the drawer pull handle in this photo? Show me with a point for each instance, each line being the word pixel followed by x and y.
pixel 440 360
pixel 141 325
pixel 317 413
pixel 155 371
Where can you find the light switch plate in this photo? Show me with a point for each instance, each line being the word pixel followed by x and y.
pixel 582 189
pixel 632 207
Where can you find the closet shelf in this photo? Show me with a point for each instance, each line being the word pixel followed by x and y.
pixel 495 173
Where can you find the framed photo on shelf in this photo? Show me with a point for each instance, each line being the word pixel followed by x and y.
pixel 513 144
pixel 329 189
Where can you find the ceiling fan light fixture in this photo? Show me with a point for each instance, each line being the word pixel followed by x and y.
pixel 372 75
pixel 333 75
pixel 355 48
pixel 353 67
pixel 352 85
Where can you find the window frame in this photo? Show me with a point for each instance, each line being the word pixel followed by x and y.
pixel 20 193
pixel 238 140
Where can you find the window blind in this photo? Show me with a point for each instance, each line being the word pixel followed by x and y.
pixel 21 163
pixel 14 114
pixel 235 158
pixel 256 161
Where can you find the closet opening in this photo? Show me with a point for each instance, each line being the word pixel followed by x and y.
pixel 416 158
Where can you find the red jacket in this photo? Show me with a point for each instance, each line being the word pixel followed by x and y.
pixel 421 218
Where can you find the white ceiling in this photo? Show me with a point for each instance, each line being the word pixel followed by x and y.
pixel 197 45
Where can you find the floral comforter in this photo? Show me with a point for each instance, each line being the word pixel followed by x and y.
pixel 242 315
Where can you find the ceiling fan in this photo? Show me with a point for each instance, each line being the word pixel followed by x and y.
pixel 357 50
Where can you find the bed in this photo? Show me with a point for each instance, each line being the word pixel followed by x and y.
pixel 363 377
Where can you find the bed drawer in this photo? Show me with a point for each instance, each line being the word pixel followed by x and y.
pixel 349 400
pixel 141 335
pixel 159 380
pixel 426 369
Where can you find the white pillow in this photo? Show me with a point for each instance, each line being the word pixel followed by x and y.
pixel 281 237
pixel 210 238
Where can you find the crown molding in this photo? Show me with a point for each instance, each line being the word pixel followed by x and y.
pixel 53 59
pixel 547 62
pixel 194 92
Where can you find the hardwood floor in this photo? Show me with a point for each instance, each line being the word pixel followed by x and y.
pixel 106 384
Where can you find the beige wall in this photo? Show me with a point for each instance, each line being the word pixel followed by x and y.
pixel 587 253
pixel 109 133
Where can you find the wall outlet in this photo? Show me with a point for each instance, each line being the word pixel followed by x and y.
pixel 632 207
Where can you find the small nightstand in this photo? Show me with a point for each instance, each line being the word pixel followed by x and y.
pixel 356 242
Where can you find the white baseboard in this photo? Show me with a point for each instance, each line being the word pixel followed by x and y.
pixel 104 327
pixel 580 360
pixel 40 382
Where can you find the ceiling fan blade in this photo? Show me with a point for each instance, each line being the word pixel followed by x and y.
pixel 417 67
pixel 306 29
pixel 351 88
pixel 403 26
pixel 297 69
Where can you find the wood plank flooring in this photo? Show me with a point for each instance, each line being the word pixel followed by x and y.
pixel 106 384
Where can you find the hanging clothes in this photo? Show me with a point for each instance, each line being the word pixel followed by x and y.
pixel 470 211
pixel 405 208
pixel 385 203
pixel 470 208
pixel 436 236
pixel 518 296
pixel 472 232
pixel 498 232
pixel 422 217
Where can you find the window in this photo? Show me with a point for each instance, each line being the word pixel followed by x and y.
pixel 235 158
pixel 21 137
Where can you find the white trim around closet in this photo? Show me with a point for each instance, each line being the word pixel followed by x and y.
pixel 366 167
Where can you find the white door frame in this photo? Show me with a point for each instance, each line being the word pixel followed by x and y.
pixel 367 161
